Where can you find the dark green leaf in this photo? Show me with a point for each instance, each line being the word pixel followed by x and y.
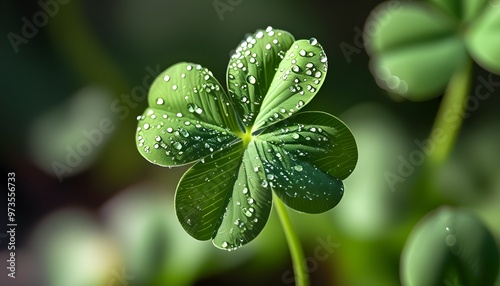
pixel 450 245
pixel 305 158
pixel 221 197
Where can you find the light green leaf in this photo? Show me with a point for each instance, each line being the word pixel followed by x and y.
pixel 221 197
pixel 483 40
pixel 412 23
pixel 415 50
pixel 305 158
pixel 252 68
pixel 450 245
pixel 189 117
pixel 462 10
pixel 299 77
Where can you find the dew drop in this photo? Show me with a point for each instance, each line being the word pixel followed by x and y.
pixel 157 138
pixel 174 87
pixel 295 136
pixel 313 41
pixel 225 244
pixel 177 145
pixel 184 132
pixel 251 79
pixel 146 126
pixel 166 78
pixel 268 46
pixel 247 212
pixel 264 183
pixel 179 114
pixel 160 101
pixel 298 168
pixel 302 53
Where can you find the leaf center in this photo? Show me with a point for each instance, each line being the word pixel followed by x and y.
pixel 246 137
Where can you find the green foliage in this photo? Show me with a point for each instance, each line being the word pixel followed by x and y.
pixel 450 245
pixel 416 47
pixel 249 142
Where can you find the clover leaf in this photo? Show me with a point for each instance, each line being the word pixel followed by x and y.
pixel 450 245
pixel 416 47
pixel 249 142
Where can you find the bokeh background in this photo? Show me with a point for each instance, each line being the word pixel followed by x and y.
pixel 106 217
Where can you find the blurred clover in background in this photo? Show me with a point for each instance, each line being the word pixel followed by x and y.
pixel 417 47
pixel 450 245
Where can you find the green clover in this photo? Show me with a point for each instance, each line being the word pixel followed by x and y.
pixel 450 244
pixel 249 142
pixel 417 47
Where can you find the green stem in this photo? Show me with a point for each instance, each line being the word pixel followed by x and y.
pixel 450 114
pixel 301 274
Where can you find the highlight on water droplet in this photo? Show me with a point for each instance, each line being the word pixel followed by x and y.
pixel 160 101
pixel 298 168
pixel 177 145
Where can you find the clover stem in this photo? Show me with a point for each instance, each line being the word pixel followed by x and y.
pixel 301 274
pixel 450 114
